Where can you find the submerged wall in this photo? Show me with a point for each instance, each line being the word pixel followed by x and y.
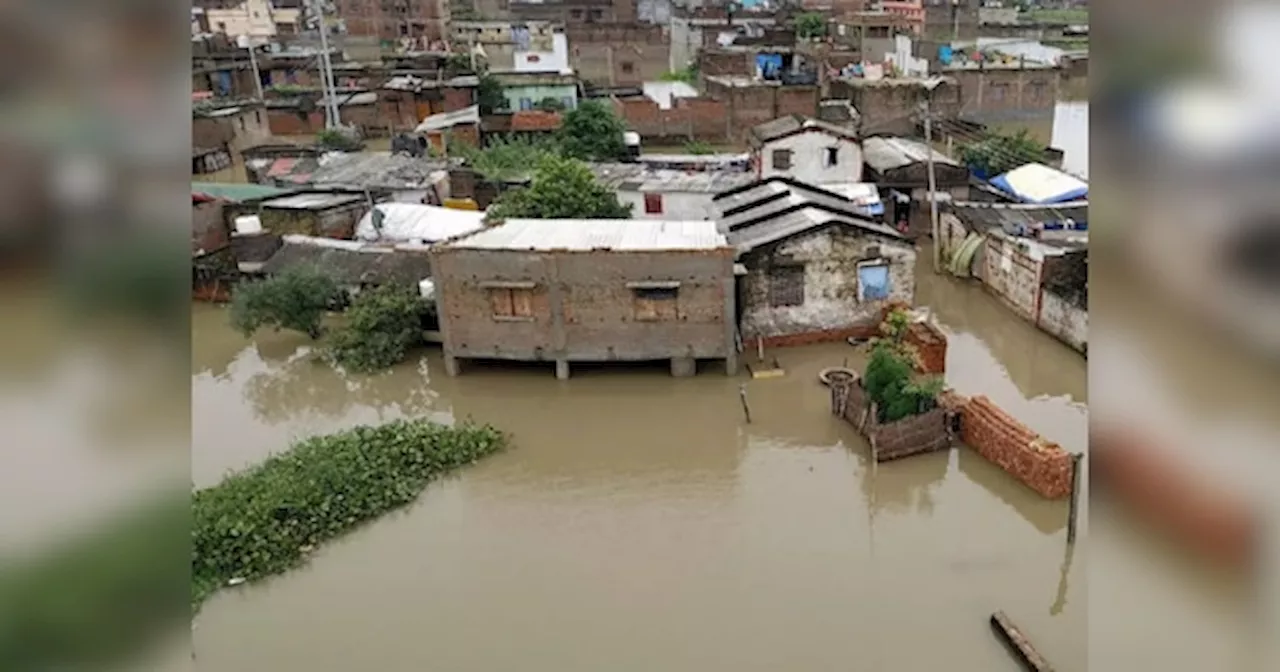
pixel 1041 465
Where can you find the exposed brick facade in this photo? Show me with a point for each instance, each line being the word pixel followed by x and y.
pixel 393 19
pixel 930 345
pixel 209 230
pixel 1038 463
pixel 753 104
pixel 618 54
pixel 698 118
pixel 580 307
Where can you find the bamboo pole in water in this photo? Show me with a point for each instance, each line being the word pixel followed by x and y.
pixel 1022 648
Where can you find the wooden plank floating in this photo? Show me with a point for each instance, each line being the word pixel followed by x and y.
pixel 1018 642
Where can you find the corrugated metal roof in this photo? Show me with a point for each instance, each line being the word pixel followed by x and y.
pixel 413 222
pixel 447 120
pixel 374 170
pixel 795 223
pixel 596 234
pixel 237 192
pixel 312 201
pixel 639 177
pixel 783 126
pixel 886 153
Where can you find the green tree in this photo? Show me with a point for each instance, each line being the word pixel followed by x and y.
pixel 810 25
pixel 382 325
pixel 592 133
pixel 489 94
pixel 561 189
pixel 889 376
pixel 508 159
pixel 998 153
pixel 339 139
pixel 296 299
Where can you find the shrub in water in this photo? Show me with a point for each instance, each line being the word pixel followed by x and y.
pixel 265 520
pixel 382 324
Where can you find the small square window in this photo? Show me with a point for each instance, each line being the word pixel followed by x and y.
pixel 653 204
pixel 510 303
pixel 576 13
pixel 628 68
pixel 654 304
pixel 597 14
pixel 832 157
pixel 782 159
pixel 873 281
pixel 786 286
pixel 526 103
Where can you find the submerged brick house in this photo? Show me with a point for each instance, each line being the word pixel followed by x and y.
pixel 587 291
pixel 812 266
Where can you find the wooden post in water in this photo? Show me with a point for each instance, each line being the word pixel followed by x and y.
pixel 1022 648
pixel 760 348
pixel 1077 461
pixel 746 410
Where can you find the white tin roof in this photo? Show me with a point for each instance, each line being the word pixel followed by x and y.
pixel 596 234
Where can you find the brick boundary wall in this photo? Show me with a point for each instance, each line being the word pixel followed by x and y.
pixel 1041 465
pixel 814 337
pixel 931 346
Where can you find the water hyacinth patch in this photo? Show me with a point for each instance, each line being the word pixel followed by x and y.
pixel 265 520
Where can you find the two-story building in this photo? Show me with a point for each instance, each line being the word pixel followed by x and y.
pixel 806 149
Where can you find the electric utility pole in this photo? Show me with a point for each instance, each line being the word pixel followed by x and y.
pixel 933 194
pixel 332 118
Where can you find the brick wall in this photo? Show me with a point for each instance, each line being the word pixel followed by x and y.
pixel 370 119
pixel 888 108
pixel 582 308
pixel 753 105
pixel 209 230
pixel 930 345
pixel 1041 465
pixel 700 118
pixel 1007 93
pixel 711 62
pixel 618 54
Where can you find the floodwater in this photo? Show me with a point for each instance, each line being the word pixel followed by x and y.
pixel 640 523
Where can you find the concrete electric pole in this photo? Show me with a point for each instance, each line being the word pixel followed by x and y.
pixel 933 185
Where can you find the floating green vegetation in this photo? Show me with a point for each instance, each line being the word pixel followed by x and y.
pixel 266 520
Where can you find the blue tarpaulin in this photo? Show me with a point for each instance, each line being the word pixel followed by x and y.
pixel 769 64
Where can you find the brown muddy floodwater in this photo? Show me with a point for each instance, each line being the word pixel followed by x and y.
pixel 639 523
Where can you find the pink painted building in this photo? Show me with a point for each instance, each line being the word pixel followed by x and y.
pixel 911 10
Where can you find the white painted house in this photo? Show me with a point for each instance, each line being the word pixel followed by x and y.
pixel 808 150
pixel 668 194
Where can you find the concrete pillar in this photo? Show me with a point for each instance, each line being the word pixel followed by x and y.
pixel 562 369
pixel 731 364
pixel 450 365
pixel 684 367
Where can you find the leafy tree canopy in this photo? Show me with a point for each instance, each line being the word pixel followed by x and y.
pixel 489 94
pixel 507 159
pixel 592 133
pixel 998 153
pixel 561 189
pixel 889 378
pixel 295 299
pixel 382 325
pixel 811 24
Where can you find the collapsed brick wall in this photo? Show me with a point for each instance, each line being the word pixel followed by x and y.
pixel 930 345
pixel 1041 465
